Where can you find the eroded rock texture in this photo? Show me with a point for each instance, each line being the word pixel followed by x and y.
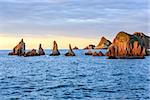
pixel 31 53
pixel 19 49
pixel 126 46
pixel 70 52
pixel 41 50
pixel 103 44
pixel 55 51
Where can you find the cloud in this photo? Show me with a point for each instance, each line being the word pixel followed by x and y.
pixel 81 18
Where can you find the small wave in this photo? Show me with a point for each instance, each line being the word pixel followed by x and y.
pixel 137 89
pixel 117 74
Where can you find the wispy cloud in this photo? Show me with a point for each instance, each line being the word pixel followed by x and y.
pixel 73 17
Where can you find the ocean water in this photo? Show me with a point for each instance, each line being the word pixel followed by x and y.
pixel 73 78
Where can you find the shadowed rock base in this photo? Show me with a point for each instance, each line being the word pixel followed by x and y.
pixel 89 53
pixel 135 57
pixel 98 54
pixel 70 52
pixel 31 53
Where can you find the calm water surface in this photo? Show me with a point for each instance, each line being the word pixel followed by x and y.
pixel 72 78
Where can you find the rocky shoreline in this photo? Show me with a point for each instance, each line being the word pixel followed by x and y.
pixel 124 46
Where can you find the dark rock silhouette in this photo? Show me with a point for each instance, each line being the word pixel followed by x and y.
pixel 91 46
pixel 126 46
pixel 41 50
pixel 70 52
pixel 19 49
pixel 55 51
pixel 75 48
pixel 98 54
pixel 103 44
pixel 89 52
pixel 31 53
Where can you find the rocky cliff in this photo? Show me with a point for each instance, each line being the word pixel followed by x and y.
pixel 126 46
pixel 19 49
pixel 103 44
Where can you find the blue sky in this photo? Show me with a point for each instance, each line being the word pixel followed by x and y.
pixel 74 18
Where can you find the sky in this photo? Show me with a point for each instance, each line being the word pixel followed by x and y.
pixel 79 22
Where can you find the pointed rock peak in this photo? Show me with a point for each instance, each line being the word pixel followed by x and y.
pixel 55 51
pixel 103 44
pixel 103 38
pixel 70 52
pixel 70 47
pixel 40 46
pixel 19 49
pixel 55 43
pixel 41 50
pixel 22 40
pixel 55 47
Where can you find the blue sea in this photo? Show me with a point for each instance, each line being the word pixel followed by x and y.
pixel 73 78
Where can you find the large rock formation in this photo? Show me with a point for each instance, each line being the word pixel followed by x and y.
pixel 70 52
pixel 126 46
pixel 103 44
pixel 19 49
pixel 55 51
pixel 31 53
pixel 41 50
pixel 91 46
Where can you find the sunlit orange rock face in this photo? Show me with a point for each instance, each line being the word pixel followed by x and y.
pixel 55 51
pixel 126 46
pixel 19 49
pixel 103 44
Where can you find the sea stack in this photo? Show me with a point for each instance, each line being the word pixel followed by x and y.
pixel 126 46
pixel 55 51
pixel 103 44
pixel 89 52
pixel 41 50
pixel 75 48
pixel 19 49
pixel 98 54
pixel 31 53
pixel 91 46
pixel 70 52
